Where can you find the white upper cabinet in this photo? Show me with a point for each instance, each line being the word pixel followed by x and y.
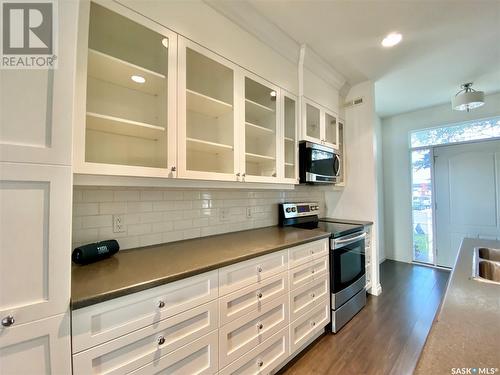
pixel 289 138
pixel 208 114
pixel 126 97
pixel 262 131
pixel 319 124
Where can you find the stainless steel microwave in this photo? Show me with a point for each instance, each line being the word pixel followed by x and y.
pixel 318 164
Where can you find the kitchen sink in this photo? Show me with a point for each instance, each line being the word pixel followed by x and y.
pixel 489 254
pixel 486 265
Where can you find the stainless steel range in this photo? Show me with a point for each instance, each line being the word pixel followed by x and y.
pixel 347 258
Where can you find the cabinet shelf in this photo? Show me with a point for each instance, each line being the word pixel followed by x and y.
pixel 195 144
pixel 257 158
pixel 121 126
pixel 289 139
pixel 111 69
pixel 289 164
pixel 259 109
pixel 206 105
pixel 257 130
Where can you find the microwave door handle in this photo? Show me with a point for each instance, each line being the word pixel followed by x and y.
pixel 350 240
pixel 338 161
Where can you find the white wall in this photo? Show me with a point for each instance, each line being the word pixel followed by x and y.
pixel 396 168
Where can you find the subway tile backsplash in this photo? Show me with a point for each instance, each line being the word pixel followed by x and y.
pixel 153 216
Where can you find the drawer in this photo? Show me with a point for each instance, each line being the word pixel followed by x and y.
pixel 304 253
pixel 138 348
pixel 306 297
pixel 308 325
pixel 199 357
pixel 105 321
pixel 241 335
pixel 262 359
pixel 240 275
pixel 253 297
pixel 308 272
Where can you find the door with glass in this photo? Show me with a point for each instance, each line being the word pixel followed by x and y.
pixel 330 129
pixel 261 129
pixel 129 115
pixel 207 114
pixel 289 139
pixel 319 124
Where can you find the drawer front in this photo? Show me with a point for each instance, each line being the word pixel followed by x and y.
pixel 308 272
pixel 105 321
pixel 263 359
pixel 199 357
pixel 138 348
pixel 240 275
pixel 304 253
pixel 306 297
pixel 308 325
pixel 253 297
pixel 243 334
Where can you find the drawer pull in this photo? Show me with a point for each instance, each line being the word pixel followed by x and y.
pixel 259 269
pixel 8 321
pixel 259 295
pixel 312 252
pixel 312 271
pixel 161 340
pixel 260 326
pixel 161 304
pixel 313 323
pixel 313 295
pixel 260 363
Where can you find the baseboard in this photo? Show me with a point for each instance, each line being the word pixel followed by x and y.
pixel 376 291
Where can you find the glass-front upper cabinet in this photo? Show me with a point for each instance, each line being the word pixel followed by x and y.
pixel 207 132
pixel 341 152
pixel 130 95
pixel 290 146
pixel 262 112
pixel 319 124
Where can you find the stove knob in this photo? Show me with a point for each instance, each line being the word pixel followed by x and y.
pixel 294 209
pixel 288 209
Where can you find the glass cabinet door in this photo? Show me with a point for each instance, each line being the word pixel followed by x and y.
pixel 290 139
pixel 207 104
pixel 313 128
pixel 127 91
pixel 331 129
pixel 260 129
pixel 341 152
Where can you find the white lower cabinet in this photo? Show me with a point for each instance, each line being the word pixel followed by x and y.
pixel 308 296
pixel 308 325
pixel 262 359
pixel 39 347
pixel 308 272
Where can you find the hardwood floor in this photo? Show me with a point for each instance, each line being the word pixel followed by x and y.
pixel 386 337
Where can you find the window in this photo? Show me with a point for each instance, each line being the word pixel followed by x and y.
pixel 469 131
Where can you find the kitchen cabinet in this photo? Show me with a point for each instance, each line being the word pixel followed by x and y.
pixel 319 124
pixel 290 135
pixel 208 110
pixel 126 94
pixel 342 154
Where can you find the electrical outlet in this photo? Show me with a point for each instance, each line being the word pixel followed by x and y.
pixel 249 212
pixel 118 224
pixel 224 214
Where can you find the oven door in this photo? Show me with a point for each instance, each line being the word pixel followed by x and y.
pixel 347 263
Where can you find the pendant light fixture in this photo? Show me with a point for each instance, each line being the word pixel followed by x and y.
pixel 467 98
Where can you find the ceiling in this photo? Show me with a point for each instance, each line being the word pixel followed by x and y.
pixel 445 43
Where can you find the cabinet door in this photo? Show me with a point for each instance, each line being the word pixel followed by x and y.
pixel 290 146
pixel 208 146
pixel 41 347
pixel 306 297
pixel 341 153
pixel 309 325
pixel 261 133
pixel 306 252
pixel 35 240
pixel 36 106
pixel 331 129
pixel 308 272
pixel 311 121
pixel 126 94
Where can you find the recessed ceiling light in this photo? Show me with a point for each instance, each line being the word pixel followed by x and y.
pixel 164 41
pixel 138 79
pixel 392 39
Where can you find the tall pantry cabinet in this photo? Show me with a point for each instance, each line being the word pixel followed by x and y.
pixel 36 114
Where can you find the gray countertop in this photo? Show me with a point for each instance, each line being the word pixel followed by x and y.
pixel 466 331
pixel 134 270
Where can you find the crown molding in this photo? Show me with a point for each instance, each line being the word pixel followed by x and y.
pixel 248 18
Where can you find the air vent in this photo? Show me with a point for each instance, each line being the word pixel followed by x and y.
pixel 352 103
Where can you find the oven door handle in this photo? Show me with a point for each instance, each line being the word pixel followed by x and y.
pixel 348 241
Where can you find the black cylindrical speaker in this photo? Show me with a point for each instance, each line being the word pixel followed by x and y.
pixel 95 251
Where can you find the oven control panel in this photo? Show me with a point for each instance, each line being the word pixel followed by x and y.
pixel 291 210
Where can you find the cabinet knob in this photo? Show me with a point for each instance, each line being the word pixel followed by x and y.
pixel 8 321
pixel 260 363
pixel 259 269
pixel 161 340
pixel 313 323
pixel 312 271
pixel 274 174
pixel 173 169
pixel 259 295
pixel 161 304
pixel 260 326
pixel 313 295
